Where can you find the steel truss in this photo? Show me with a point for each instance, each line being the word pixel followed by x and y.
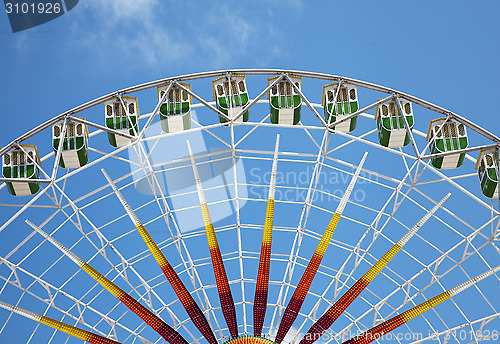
pixel 473 239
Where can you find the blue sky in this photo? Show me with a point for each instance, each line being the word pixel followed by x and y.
pixel 446 52
pixel 443 51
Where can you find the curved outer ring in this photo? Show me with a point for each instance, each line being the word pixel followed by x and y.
pixel 203 75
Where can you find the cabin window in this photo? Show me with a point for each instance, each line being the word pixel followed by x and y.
pixel 407 108
pixel 453 131
pixel 177 95
pixel 344 94
pixel 15 158
pixel 171 95
pixel 329 96
pixel 461 129
pixel 241 84
pixel 234 88
pixel 281 88
pixel 481 169
pixel 131 108
pixel 162 94
pixel 116 107
pixel 226 87
pixel 288 88
pixel 448 131
pixel 6 159
pixel 385 112
pixel 21 158
pixel 392 109
pixel 185 96
pixel 297 84
pixel 70 130
pixel 489 160
pixel 352 93
pixel 79 129
pixel 57 131
pixel 109 110
pixel 30 158
pixel 439 132
pixel 220 91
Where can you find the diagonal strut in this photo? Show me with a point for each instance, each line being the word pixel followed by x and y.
pixel 225 296
pixel 164 330
pixel 261 289
pixel 334 312
pixel 387 326
pixel 295 303
pixel 190 305
pixel 60 326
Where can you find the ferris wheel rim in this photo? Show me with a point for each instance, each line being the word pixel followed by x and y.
pixel 201 76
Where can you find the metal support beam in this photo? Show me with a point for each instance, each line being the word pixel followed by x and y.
pixel 408 130
pixel 261 94
pixel 465 150
pixel 100 127
pixel 304 98
pixel 156 110
pixel 25 180
pixel 369 107
pixel 204 102
pixel 196 76
pixel 59 149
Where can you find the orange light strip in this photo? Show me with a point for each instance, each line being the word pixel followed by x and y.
pixel 225 296
pixel 164 330
pixel 191 307
pixel 334 312
pixel 387 326
pixel 293 307
pixel 261 289
pixel 60 326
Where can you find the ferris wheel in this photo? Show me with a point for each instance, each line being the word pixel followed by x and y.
pixel 251 206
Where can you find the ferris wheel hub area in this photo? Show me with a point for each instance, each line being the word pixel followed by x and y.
pixel 249 340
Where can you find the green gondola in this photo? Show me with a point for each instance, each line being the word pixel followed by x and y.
pixel 284 101
pixel 175 112
pixel 346 103
pixel 447 135
pixel 390 123
pixel 488 172
pixel 74 152
pixel 20 163
pixel 123 116
pixel 231 96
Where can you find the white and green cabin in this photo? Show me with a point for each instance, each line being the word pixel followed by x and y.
pixel 487 169
pixel 345 104
pixel 447 136
pixel 390 123
pixel 231 96
pixel 175 112
pixel 122 116
pixel 284 101
pixel 22 164
pixel 74 152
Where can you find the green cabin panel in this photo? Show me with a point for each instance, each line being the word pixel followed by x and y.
pixel 349 108
pixel 236 100
pixel 285 102
pixel 28 172
pixel 186 121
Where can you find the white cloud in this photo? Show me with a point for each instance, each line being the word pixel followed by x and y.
pixel 153 34
pixel 128 31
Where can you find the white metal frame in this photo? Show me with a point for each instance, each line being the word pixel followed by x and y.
pixel 404 190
